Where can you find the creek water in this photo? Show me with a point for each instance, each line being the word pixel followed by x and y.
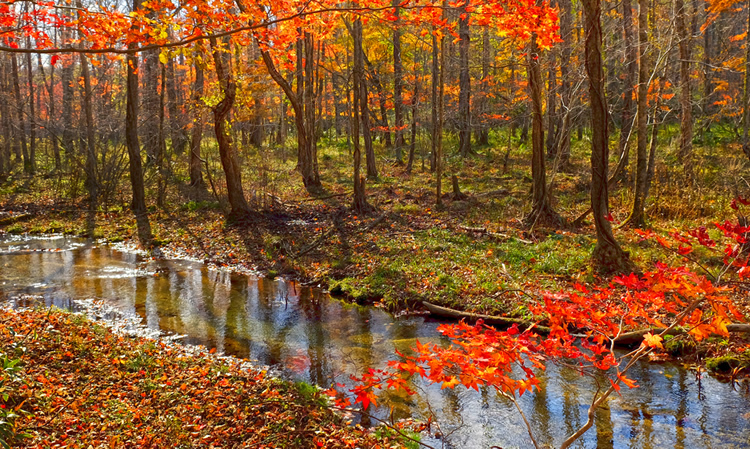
pixel 308 336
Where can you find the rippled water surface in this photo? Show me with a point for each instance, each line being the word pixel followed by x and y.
pixel 311 337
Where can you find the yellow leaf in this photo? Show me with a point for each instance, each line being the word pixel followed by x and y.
pixel 652 341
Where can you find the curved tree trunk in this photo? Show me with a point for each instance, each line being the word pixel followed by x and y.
pixel 608 257
pixel 228 156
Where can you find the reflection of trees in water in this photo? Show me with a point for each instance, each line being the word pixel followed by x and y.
pixel 312 307
pixel 540 414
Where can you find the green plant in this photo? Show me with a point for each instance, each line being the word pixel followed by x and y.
pixel 10 373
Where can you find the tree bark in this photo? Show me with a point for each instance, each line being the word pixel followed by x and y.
pixel 138 204
pixel 177 125
pixel 541 209
pixel 305 163
pixel 31 169
pixel 608 257
pixel 631 77
pixel 359 202
pixel 746 93
pixel 686 113
pixel 637 218
pixel 227 153
pixel 482 126
pixel 92 183
pixel 434 101
pixel 398 80
pixel 20 121
pixel 414 103
pixel 196 175
pixel 464 82
pixel 150 106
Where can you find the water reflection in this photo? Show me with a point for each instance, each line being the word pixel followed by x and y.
pixel 314 338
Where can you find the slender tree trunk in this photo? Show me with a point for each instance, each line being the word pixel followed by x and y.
pixel 438 93
pixel 708 47
pixel 746 93
pixel 414 104
pixel 551 105
pixel 196 175
pixel 359 111
pixel 541 209
pixel 227 153
pixel 686 113
pixel 5 120
pixel 631 77
pixel 66 79
pixel 51 128
pixel 364 119
pixel 138 204
pixel 307 166
pixel 177 125
pixel 398 80
pixel 32 114
pixel 20 119
pixel 464 82
pixel 434 101
pixel 150 128
pixel 608 257
pixel 637 216
pixel 92 183
pixel 481 125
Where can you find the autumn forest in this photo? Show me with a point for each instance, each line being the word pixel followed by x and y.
pixel 418 223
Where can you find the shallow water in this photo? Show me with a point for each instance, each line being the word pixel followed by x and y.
pixel 311 337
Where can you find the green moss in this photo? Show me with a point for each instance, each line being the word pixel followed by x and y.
pixel 724 363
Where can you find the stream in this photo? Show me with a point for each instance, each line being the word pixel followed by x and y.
pixel 306 335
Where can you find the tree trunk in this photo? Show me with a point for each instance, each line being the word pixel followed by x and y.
pixel 92 184
pixel 20 121
pixel 196 175
pixel 228 156
pixel 746 93
pixel 481 123
pixel 177 125
pixel 138 204
pixel 414 103
pixel 359 202
pixel 464 82
pixel 32 115
pixel 637 218
pixel 5 121
pixel 541 209
pixel 66 79
pixel 364 119
pixel 398 80
pixel 51 125
pixel 434 101
pixel 150 109
pixel 631 77
pixel 686 113
pixel 551 105
pixel 305 163
pixel 708 45
pixel 608 257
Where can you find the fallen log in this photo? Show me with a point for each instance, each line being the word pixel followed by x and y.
pixel 626 339
pixel 445 312
pixel 631 338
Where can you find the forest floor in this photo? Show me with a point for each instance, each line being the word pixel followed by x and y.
pixel 68 382
pixel 473 253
